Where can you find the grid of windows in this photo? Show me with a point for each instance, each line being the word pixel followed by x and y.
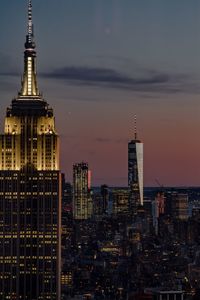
pixel 29 233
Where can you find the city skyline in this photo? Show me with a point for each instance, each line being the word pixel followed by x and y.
pixel 109 62
pixel 111 237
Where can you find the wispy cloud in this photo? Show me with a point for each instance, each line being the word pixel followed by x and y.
pixel 148 81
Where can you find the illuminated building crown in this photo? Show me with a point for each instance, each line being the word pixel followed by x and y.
pixel 29 87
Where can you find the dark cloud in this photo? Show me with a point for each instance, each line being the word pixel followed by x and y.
pixel 103 75
pixel 148 81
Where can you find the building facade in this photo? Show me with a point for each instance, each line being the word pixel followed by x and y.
pixel 30 192
pixel 82 198
pixel 180 204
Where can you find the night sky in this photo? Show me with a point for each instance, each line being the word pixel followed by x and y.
pixel 100 62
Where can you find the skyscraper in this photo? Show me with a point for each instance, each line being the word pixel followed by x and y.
pixel 30 191
pixel 135 171
pixel 82 200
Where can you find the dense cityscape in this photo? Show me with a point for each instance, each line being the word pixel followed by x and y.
pixel 151 254
pixel 62 240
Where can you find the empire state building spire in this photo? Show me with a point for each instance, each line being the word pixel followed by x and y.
pixel 29 87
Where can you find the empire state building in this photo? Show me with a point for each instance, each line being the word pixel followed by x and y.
pixel 30 191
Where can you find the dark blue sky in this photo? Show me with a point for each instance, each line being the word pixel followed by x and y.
pixel 102 61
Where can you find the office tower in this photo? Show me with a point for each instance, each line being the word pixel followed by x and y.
pixel 180 206
pixel 158 205
pixel 30 192
pixel 135 172
pixel 120 200
pixel 101 201
pixel 105 198
pixel 97 204
pixel 82 198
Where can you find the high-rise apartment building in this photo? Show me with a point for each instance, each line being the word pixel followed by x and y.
pixel 135 172
pixel 30 192
pixel 82 199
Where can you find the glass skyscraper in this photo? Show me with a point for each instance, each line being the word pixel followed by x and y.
pixel 135 172
pixel 30 192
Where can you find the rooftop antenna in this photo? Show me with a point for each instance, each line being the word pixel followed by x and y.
pixel 30 21
pixel 135 127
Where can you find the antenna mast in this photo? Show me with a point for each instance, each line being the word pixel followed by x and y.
pixel 30 22
pixel 135 126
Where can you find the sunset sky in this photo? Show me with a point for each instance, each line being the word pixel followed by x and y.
pixel 100 62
